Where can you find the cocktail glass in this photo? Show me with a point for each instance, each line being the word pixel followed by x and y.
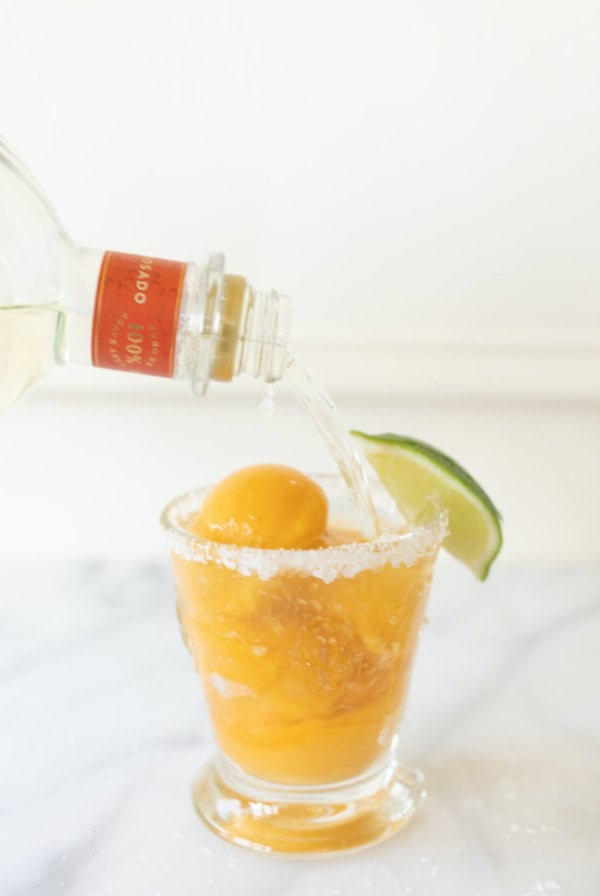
pixel 305 658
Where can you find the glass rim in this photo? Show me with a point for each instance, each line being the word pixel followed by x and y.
pixel 403 548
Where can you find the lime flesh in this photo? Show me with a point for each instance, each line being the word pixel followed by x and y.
pixel 423 480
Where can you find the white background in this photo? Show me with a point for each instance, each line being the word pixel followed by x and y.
pixel 421 178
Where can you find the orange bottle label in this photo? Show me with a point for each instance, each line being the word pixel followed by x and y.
pixel 136 313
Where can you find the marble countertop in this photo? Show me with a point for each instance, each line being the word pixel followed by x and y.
pixel 103 728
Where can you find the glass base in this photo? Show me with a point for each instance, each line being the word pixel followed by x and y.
pixel 307 821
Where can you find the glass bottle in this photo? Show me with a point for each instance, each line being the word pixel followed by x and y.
pixel 63 303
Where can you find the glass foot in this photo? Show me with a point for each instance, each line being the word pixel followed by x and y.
pixel 323 820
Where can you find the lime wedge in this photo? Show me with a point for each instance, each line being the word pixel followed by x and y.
pixel 421 479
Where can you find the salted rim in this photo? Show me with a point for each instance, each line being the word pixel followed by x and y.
pixel 327 564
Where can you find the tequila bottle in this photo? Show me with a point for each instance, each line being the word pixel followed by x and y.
pixel 63 303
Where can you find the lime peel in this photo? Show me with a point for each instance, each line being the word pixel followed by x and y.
pixel 420 478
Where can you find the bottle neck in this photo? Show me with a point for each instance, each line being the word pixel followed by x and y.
pixel 172 319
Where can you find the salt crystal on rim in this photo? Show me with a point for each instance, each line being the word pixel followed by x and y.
pixel 327 564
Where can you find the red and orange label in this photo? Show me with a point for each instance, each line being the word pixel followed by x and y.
pixel 137 313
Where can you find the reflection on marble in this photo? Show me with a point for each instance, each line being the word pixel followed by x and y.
pixel 103 727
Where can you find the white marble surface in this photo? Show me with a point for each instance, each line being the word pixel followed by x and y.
pixel 103 727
